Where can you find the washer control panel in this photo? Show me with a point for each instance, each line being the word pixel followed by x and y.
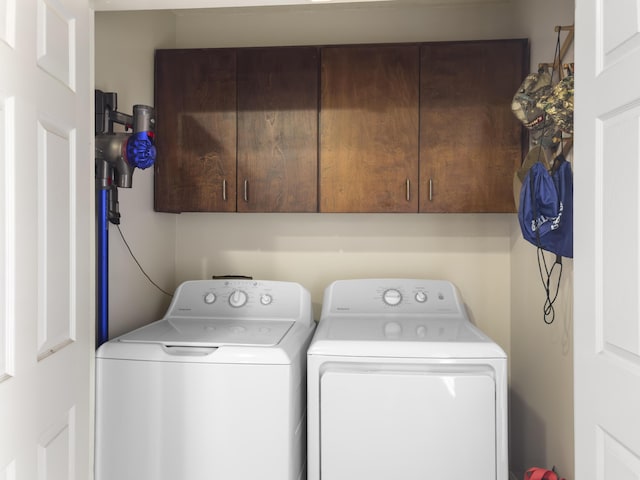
pixel 240 298
pixel 397 296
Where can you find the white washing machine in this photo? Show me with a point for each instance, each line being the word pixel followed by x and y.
pixel 402 386
pixel 215 389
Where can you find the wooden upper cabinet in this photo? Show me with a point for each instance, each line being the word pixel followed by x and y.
pixel 470 141
pixel 277 129
pixel 350 128
pixel 195 101
pixel 369 128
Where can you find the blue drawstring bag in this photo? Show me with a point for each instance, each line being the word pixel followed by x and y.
pixel 546 207
pixel 546 221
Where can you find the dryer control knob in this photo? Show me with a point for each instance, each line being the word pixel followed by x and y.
pixel 237 298
pixel 209 298
pixel 266 299
pixel 421 297
pixel 392 297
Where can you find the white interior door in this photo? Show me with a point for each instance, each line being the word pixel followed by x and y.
pixel 607 245
pixel 46 253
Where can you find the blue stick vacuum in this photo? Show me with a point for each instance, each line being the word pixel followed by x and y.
pixel 117 155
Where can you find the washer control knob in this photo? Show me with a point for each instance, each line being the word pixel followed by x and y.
pixel 421 331
pixel 392 297
pixel 266 299
pixel 421 297
pixel 237 299
pixel 209 298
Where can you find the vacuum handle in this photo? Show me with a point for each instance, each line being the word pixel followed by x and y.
pixel 143 118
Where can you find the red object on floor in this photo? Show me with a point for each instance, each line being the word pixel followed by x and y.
pixel 537 473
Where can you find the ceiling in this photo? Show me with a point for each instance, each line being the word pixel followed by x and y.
pixel 113 5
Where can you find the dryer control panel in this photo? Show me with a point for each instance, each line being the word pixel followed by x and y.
pixel 394 296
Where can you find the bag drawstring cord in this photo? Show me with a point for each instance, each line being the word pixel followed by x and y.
pixel 549 312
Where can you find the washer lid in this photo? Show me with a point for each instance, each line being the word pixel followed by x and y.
pixel 211 332
pixel 402 336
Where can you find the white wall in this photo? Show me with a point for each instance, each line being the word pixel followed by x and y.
pixel 344 23
pixel 315 249
pixel 483 254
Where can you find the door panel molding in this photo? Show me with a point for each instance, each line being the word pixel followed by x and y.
pixel 7 239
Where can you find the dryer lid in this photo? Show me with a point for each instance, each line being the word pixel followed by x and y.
pixel 211 332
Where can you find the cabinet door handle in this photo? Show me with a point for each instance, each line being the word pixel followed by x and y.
pixel 224 190
pixel 431 190
pixel 408 190
pixel 246 190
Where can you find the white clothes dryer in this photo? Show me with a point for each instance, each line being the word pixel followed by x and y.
pixel 215 389
pixel 401 385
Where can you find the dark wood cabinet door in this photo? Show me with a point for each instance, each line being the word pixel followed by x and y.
pixel 369 113
pixel 277 129
pixel 470 142
pixel 195 102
